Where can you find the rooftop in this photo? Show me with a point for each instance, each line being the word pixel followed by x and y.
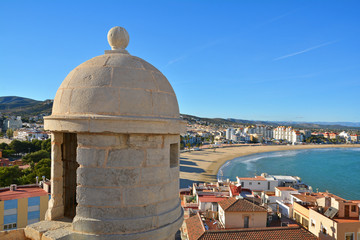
pixel 196 230
pixel 240 205
pixel 21 192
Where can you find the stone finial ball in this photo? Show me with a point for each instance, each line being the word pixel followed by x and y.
pixel 118 38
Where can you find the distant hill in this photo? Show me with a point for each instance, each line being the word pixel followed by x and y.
pixel 14 105
pixel 299 125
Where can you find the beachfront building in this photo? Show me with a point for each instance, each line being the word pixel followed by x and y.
pixel 288 134
pixel 267 182
pixel 23 205
pixel 229 133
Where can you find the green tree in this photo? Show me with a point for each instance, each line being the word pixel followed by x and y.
pixel 46 145
pixel 9 133
pixel 35 157
pixel 9 175
pixel 42 168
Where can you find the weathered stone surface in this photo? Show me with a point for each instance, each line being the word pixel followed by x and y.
pixel 98 196
pixel 165 105
pixel 98 140
pixel 108 177
pixel 143 195
pixel 130 78
pixel 158 157
pixel 145 141
pixel 113 226
pixel 162 83
pixel 135 102
pixel 93 76
pixel 90 157
pixel 35 231
pixel 118 212
pixel 125 158
pixel 154 175
pixel 17 234
pixel 92 99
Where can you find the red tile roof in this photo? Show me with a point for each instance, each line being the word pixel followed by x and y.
pixel 240 205
pixel 211 199
pixel 22 192
pixel 196 231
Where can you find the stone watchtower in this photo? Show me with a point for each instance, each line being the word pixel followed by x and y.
pixel 115 148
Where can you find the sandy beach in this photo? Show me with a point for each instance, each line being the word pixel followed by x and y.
pixel 202 166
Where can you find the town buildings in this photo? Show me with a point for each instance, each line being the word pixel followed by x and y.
pixel 12 123
pixel 22 205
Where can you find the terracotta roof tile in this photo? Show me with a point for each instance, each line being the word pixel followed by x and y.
pixel 240 205
pixel 284 233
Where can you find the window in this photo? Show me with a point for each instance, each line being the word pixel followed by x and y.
pixel 242 184
pixel 349 236
pixel 174 155
pixel 246 221
pixel 305 223
pixel 268 185
pixel 250 183
pixel 353 208
pixel 9 226
pixel 258 183
pixel 297 217
pixel 323 229
pixel 312 222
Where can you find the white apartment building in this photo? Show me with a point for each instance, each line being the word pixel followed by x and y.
pixel 288 134
pixel 229 133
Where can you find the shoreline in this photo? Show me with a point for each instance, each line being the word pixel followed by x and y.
pixel 203 166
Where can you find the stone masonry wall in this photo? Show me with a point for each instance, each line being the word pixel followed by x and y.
pixel 126 184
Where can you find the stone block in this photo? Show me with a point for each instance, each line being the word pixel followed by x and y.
pixel 90 157
pixel 171 216
pixel 92 99
pixel 166 105
pixel 107 226
pixel 146 65
pixel 98 140
pixel 94 76
pixel 108 177
pixel 145 141
pixel 130 78
pixel 162 83
pixel 125 158
pixel 135 102
pixel 158 157
pixel 124 61
pixel 154 175
pixel 144 194
pixel 164 206
pixel 117 212
pixel 98 196
pixel 94 62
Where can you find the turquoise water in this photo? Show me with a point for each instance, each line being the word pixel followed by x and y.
pixel 334 169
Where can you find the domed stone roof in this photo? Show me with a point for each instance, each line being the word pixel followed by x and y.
pixel 115 85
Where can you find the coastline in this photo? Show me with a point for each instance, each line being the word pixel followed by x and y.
pixel 203 166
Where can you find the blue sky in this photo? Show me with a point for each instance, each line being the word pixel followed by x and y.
pixel 264 60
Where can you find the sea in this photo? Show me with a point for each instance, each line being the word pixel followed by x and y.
pixel 334 169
